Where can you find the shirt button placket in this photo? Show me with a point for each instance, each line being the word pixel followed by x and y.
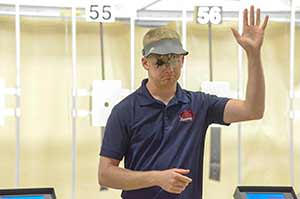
pixel 166 121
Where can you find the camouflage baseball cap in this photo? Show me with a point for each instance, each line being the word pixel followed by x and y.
pixel 162 41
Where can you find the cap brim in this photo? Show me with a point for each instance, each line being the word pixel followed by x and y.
pixel 163 47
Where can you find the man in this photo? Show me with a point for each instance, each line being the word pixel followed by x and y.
pixel 160 128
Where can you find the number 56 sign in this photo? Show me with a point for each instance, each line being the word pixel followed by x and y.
pixel 100 11
pixel 210 14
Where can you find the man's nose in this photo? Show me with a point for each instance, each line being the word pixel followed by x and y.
pixel 169 66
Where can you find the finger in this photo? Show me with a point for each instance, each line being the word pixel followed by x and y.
pixel 252 16
pixel 245 18
pixel 236 34
pixel 179 186
pixel 183 178
pixel 182 171
pixel 258 17
pixel 178 183
pixel 175 190
pixel 264 25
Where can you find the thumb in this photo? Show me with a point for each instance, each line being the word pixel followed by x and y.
pixel 182 171
pixel 236 34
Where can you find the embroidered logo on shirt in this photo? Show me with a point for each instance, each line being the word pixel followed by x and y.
pixel 186 115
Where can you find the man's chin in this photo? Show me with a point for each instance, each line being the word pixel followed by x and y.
pixel 168 81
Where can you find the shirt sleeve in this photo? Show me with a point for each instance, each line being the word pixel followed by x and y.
pixel 116 139
pixel 216 106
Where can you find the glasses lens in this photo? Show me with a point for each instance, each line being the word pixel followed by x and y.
pixel 163 60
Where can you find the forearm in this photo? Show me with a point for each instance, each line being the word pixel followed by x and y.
pixel 255 94
pixel 125 179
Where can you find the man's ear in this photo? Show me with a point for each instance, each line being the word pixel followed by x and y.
pixel 145 63
pixel 182 59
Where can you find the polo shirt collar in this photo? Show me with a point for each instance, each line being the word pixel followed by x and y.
pixel 147 99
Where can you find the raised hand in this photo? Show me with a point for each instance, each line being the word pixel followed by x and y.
pixel 253 31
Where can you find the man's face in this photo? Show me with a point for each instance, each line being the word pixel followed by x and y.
pixel 164 70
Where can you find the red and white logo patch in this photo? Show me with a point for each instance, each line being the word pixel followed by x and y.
pixel 186 115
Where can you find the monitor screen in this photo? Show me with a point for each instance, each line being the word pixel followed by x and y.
pixel 33 193
pixel 265 196
pixel 264 192
pixel 23 197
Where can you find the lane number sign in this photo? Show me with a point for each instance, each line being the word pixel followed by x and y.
pixel 101 11
pixel 209 14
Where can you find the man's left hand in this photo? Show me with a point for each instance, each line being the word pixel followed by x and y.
pixel 253 31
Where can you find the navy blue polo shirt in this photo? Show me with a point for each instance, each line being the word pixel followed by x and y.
pixel 153 136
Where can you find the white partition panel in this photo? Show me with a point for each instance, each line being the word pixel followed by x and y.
pixel 2 102
pixel 219 88
pixel 105 95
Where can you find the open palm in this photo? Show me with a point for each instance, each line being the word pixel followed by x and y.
pixel 253 31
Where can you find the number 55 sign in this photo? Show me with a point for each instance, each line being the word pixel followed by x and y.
pixel 211 14
pixel 100 11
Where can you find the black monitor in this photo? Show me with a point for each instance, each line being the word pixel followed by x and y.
pixel 35 193
pixel 264 192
